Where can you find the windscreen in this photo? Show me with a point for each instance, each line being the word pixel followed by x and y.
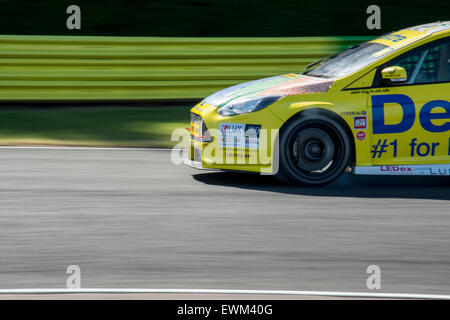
pixel 350 60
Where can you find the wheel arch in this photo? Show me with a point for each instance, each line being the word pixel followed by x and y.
pixel 327 113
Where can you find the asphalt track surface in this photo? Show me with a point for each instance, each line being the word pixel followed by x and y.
pixel 132 219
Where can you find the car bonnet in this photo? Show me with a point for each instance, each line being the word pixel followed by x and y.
pixel 284 85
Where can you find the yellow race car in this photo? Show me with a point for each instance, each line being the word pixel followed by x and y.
pixel 381 107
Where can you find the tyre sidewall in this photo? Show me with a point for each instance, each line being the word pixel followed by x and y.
pixel 289 173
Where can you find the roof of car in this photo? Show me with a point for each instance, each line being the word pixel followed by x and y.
pixel 402 38
pixel 432 27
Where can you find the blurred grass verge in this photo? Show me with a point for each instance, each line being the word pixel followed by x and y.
pixel 102 126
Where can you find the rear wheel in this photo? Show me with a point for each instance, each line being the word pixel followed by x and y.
pixel 314 150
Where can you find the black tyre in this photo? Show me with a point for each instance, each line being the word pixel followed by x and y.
pixel 313 150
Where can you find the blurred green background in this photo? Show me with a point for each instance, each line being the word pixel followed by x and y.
pixel 60 70
pixel 148 68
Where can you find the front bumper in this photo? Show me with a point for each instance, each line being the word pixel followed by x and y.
pixel 193 164
pixel 209 145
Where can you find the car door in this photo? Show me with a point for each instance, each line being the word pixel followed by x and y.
pixel 411 120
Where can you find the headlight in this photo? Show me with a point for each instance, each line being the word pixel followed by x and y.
pixel 245 106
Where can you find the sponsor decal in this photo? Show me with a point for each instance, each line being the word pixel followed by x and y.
pixel 431 110
pixel 396 168
pixel 361 135
pixel 418 170
pixel 251 134
pixel 415 148
pixel 360 122
pixel 353 113
pixel 231 135
pixel 239 135
pixel 393 37
pixel 383 146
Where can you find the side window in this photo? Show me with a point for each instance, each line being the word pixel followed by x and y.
pixel 410 62
pixel 435 67
pixel 427 65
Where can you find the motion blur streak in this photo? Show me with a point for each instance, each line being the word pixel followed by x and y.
pixel 130 218
pixel 143 68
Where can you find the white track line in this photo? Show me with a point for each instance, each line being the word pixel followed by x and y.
pixel 226 291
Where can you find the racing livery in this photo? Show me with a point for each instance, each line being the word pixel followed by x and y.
pixel 380 107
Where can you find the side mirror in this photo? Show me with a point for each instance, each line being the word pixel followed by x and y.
pixel 394 75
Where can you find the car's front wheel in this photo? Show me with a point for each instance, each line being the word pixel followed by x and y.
pixel 313 150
